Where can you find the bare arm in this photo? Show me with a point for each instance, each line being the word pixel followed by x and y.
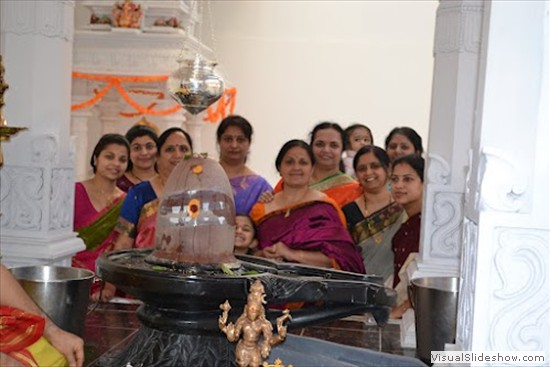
pixel 12 294
pixel 280 251
pixel 122 242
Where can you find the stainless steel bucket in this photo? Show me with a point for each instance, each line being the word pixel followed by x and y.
pixel 62 293
pixel 435 302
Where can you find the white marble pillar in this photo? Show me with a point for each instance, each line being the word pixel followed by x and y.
pixel 193 124
pixel 37 180
pixel 456 59
pixel 80 132
pixel 504 299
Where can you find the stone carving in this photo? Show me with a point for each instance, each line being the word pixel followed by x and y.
pixel 521 305
pixel 127 60
pixel 446 225
pixel 458 27
pixel 61 199
pixel 438 170
pixel 22 193
pixel 53 19
pixel 156 348
pixel 502 183
pixel 467 286
pixel 44 149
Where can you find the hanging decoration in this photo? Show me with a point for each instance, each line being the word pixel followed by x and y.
pixel 225 106
pixel 195 85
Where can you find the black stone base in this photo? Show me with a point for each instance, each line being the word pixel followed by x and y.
pixel 155 348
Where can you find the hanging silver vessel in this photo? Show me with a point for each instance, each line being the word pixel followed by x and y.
pixel 195 85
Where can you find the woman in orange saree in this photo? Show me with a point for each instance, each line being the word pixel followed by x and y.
pixel 327 142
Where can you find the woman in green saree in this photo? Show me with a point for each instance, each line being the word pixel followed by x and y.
pixel 374 217
pixel 98 200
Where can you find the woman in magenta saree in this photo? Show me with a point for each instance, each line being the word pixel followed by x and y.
pixel 310 226
pixel 94 227
pixel 301 224
pixel 98 200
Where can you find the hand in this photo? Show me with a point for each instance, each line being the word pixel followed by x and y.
pixel 70 345
pixel 107 293
pixel 266 197
pixel 398 311
pixel 278 251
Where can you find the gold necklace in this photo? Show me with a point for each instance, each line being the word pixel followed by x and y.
pixel 287 213
pixel 105 198
pixel 378 236
pixel 365 204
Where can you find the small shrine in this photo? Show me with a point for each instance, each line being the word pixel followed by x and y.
pixel 123 53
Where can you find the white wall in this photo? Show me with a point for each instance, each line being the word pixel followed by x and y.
pixel 296 63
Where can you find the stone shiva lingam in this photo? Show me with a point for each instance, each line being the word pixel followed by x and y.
pixel 192 270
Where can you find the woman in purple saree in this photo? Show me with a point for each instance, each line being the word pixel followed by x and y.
pixel 301 224
pixel 234 136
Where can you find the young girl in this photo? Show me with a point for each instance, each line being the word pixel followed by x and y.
pixel 357 136
pixel 407 179
pixel 245 235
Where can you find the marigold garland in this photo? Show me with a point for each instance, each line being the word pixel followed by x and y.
pixel 227 100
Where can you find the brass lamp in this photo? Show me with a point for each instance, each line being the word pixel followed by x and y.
pixel 5 131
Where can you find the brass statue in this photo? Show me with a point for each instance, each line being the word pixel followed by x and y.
pixel 252 325
pixel 5 130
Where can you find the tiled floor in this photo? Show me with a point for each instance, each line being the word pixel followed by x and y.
pixel 110 326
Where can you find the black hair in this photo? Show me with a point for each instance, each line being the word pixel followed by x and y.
pixel 105 140
pixel 251 222
pixel 237 121
pixel 415 161
pixel 137 131
pixel 330 125
pixel 350 129
pixel 378 152
pixel 293 144
pixel 412 135
pixel 166 134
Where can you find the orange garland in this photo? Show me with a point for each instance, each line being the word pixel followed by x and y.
pixel 229 96
pixel 227 99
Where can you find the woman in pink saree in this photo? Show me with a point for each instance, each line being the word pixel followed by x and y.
pixel 98 200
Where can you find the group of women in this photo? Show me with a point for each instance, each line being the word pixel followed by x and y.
pixel 316 214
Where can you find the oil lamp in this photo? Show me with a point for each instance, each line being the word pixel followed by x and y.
pixel 5 131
